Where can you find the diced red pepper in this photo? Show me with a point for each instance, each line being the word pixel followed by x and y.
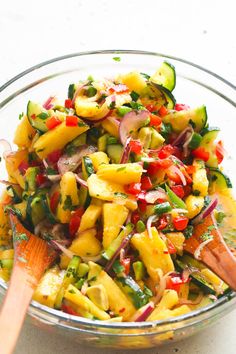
pixel 186 175
pixel 151 107
pixel 69 310
pixel 190 169
pixel 135 217
pixel 180 223
pixel 142 204
pixel 155 166
pixel 135 146
pixel 219 152
pixel 71 121
pixel 162 222
pixel 146 183
pixel 155 120
pixel 125 262
pixel 53 122
pixel 75 221
pixel 54 156
pixel 54 200
pixel 165 151
pixel 171 247
pixel 181 107
pixel 201 153
pixel 174 282
pixel 68 103
pixel 33 116
pixel 187 190
pixel 178 190
pixel 40 179
pixel 163 111
pixel 173 176
pixel 133 188
pixel 23 166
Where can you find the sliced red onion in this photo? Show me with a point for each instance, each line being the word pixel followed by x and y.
pixel 71 162
pixel 150 220
pixel 131 122
pixel 81 181
pixel 49 103
pixel 64 250
pixel 128 220
pixel 186 143
pixel 45 163
pixel 187 272
pixel 144 312
pixel 208 210
pixel 152 196
pixel 176 160
pixel 113 120
pixel 77 91
pixel 126 152
pixel 7 149
pixel 176 170
pixel 181 138
pixel 123 245
pixel 198 250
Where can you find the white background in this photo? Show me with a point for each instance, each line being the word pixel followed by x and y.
pixel 200 31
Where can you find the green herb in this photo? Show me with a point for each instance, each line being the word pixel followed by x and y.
pixel 175 200
pixel 50 171
pixel 162 208
pixel 166 130
pixel 207 201
pixel 134 95
pixel 22 259
pixel 91 91
pixel 120 169
pixel 40 150
pixel 79 283
pixel 140 226
pixel 220 215
pixel 147 292
pixel 137 106
pixel 72 291
pixel 188 232
pixel 68 203
pixel 20 237
pixel 123 110
pixel 71 91
pixel 116 58
pixel 196 192
pixel 121 195
pixel 43 115
pixel 117 267
pixel 193 125
pixel 206 236
pixel 81 124
pixel 93 278
pixel 146 76
pixel 112 104
pixel 111 140
pixel 21 115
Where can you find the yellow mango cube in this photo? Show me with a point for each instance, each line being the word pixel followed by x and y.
pixel 194 205
pixel 98 158
pixel 200 180
pixel 90 217
pixel 134 81
pixel 121 173
pixel 86 244
pixel 169 300
pixel 69 197
pixel 24 133
pixel 153 252
pixel 111 127
pixel 114 216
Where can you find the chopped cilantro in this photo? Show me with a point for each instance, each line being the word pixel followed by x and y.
pixel 121 195
pixel 68 203
pixel 116 58
pixel 120 169
pixel 192 123
pixel 71 291
pixel 196 192
pixel 51 171
pixel 21 115
pixel 81 124
pixel 43 115
pixel 137 106
pixel 146 76
pixel 112 105
pixel 188 232
pixel 166 130
pixel 117 267
pixel 20 237
pixel 134 95
pixel 147 292
pixel 220 215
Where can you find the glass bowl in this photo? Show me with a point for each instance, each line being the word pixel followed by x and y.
pixel 195 86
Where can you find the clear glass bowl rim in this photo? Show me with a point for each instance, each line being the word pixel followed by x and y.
pixel 65 318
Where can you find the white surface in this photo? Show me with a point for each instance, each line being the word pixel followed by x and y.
pixel 201 31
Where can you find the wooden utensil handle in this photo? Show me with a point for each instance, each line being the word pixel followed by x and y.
pixel 14 309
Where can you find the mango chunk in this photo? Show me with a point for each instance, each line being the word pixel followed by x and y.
pixel 121 173
pixel 69 197
pixel 90 216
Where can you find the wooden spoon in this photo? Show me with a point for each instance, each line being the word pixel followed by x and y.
pixel 32 257
pixel 215 254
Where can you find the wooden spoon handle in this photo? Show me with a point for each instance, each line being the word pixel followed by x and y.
pixel 14 309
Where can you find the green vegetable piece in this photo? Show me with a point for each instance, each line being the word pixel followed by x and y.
pixel 79 283
pixel 134 95
pixel 139 270
pixel 71 91
pixel 91 91
pixel 140 226
pixel 30 176
pixel 117 267
pixel 82 270
pixel 111 140
pixel 195 141
pixel 123 110
pixel 102 142
pixel 132 290
pixel 6 263
pixel 175 200
pixel 162 208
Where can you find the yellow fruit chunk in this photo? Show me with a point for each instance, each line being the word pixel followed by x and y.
pixel 86 244
pixel 57 138
pixel 90 217
pixel 48 287
pixel 153 252
pixel 105 190
pixel 194 205
pixel 13 161
pixel 98 295
pixel 114 216
pixel 98 158
pixel 121 173
pixel 118 301
pixel 5 238
pixel 177 238
pixel 134 81
pixel 84 107
pixel 169 300
pixel 111 127
pixel 69 197
pixel 166 314
pixel 24 133
pixel 200 180
pixel 74 295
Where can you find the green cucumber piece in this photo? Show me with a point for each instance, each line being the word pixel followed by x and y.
pixel 219 178
pixel 132 290
pixel 115 244
pixel 197 278
pixel 37 116
pixel 88 168
pixel 115 152
pixel 209 136
pixel 195 141
pixel 14 193
pixel 175 200
pixel 157 139
pixel 30 178
pixel 34 209
pixel 162 208
pixel 123 110
pixel 179 120
pixel 139 270
pixel 71 91
pixel 84 197
pixel 46 206
pixel 102 142
pixel 169 98
pixel 165 76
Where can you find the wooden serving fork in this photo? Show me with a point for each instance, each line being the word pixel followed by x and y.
pixel 215 254
pixel 31 258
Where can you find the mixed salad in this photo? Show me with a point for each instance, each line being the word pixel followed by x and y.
pixel 119 179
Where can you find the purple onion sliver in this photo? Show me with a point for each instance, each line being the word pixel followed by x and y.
pixel 81 181
pixel 209 209
pixel 182 136
pixel 126 152
pixel 48 104
pixel 146 311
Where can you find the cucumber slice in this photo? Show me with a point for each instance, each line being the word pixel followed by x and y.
pixel 87 167
pixel 163 91
pixel 30 178
pixel 179 120
pixel 46 206
pixel 132 290
pixel 34 210
pixel 209 136
pixel 218 178
pixel 14 193
pixel 71 91
pixel 115 152
pixel 165 76
pixel 37 116
pixel 84 197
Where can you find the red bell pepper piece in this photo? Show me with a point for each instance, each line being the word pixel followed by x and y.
pixel 165 151
pixel 23 166
pixel 125 262
pixel 181 107
pixel 174 282
pixel 75 221
pixel 155 166
pixel 135 146
pixel 162 222
pixel 146 183
pixel 163 111
pixel 68 103
pixel 53 122
pixel 54 156
pixel 54 200
pixel 180 223
pixel 40 179
pixel 155 120
pixel 178 190
pixel 135 217
pixel 201 153
pixel 71 121
pixel 133 188
pixel 219 152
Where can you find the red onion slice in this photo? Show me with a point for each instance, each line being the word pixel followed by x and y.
pixel 181 138
pixel 7 149
pixel 208 210
pixel 151 220
pixel 131 122
pixel 152 196
pixel 144 312
pixel 71 162
pixel 77 91
pixel 126 152
pixel 123 245
pixel 64 250
pixel 81 181
pixel 176 170
pixel 49 103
